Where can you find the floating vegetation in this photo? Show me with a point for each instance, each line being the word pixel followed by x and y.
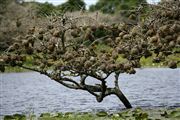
pixel 130 114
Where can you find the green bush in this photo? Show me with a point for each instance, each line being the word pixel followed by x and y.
pixel 45 8
pixel 112 6
pixel 72 5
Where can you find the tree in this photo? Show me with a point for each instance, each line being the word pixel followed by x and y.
pixel 73 5
pixel 112 6
pixel 78 55
pixel 45 9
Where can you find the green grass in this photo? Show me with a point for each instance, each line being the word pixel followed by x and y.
pixel 147 62
pixel 130 114
pixel 101 47
pixel 15 69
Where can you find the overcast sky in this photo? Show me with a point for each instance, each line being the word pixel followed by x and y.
pixel 57 2
pixel 88 2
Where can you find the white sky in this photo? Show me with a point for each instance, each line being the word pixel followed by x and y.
pixel 57 2
pixel 88 2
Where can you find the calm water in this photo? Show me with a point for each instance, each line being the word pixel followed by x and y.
pixel 31 92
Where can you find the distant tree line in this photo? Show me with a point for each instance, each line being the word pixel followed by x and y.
pixel 69 6
pixel 105 6
pixel 113 6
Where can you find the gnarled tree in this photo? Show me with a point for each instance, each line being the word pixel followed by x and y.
pixel 65 49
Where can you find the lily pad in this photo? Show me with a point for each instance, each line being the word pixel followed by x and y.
pixel 174 114
pixel 9 117
pixel 45 115
pixel 102 114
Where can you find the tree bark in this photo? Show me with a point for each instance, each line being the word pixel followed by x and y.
pixel 119 93
pixel 123 98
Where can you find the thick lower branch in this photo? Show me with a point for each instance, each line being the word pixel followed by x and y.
pixel 93 88
pixel 119 93
pixel 103 87
pixel 122 97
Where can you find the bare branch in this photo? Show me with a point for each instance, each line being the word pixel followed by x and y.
pixel 83 78
pixel 103 90
pixel 116 80
pixel 71 86
pixel 70 80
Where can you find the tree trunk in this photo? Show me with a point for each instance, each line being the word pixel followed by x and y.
pixel 124 100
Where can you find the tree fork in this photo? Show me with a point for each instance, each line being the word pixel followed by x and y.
pixel 102 88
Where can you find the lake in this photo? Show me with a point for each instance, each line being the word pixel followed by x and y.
pixel 31 92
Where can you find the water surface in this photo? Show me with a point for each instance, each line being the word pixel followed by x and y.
pixel 31 92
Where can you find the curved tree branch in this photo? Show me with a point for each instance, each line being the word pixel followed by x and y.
pixel 102 88
pixel 119 93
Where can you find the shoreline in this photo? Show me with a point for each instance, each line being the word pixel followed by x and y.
pixel 134 113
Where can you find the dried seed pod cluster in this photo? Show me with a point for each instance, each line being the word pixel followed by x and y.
pixel 163 30
pixel 13 60
pixel 76 48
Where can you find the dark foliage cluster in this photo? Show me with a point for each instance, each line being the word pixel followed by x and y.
pixel 163 31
